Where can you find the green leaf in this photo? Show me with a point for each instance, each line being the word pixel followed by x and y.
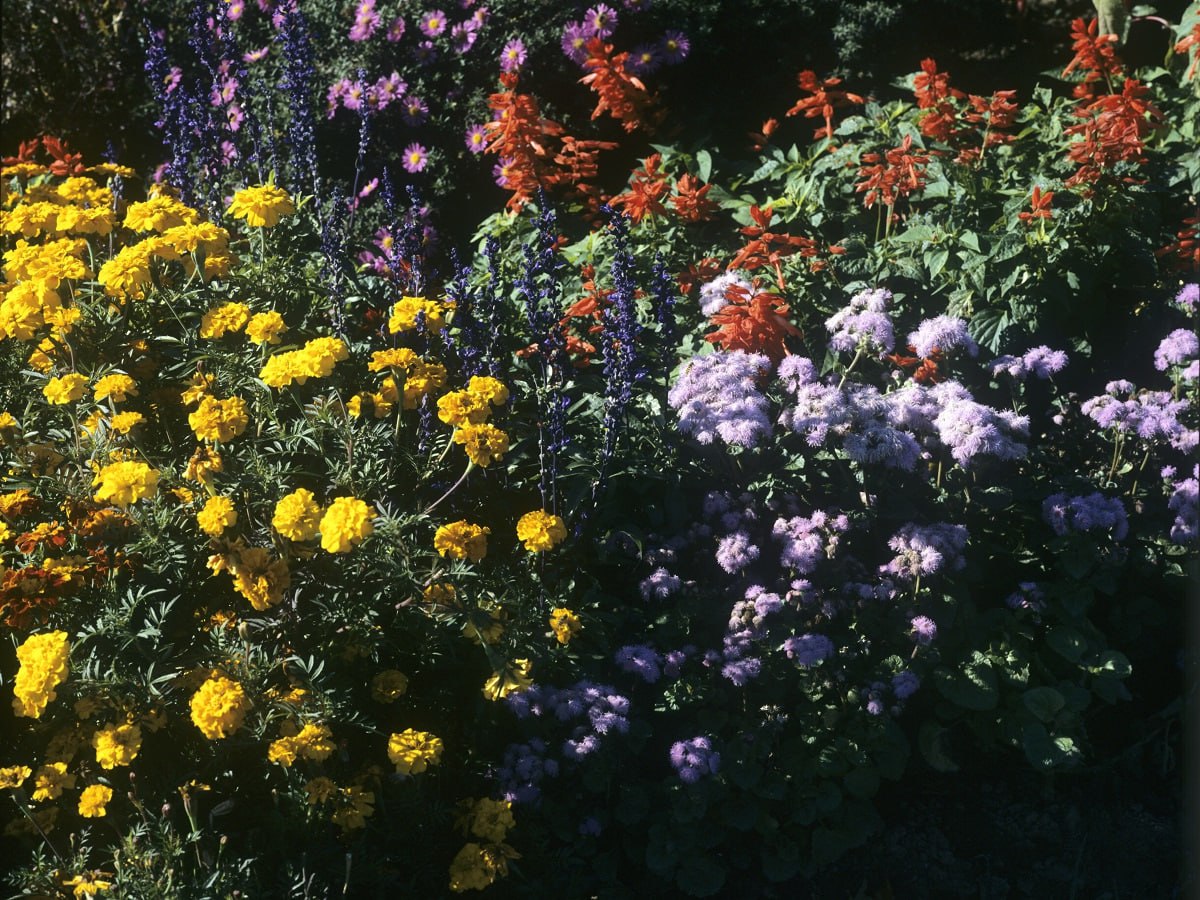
pixel 973 688
pixel 1114 663
pixel 1066 642
pixel 700 877
pixel 1043 702
pixel 936 261
pixel 933 747
pixel 862 782
pixel 704 165
pixel 1041 752
pixel 632 805
pixel 781 862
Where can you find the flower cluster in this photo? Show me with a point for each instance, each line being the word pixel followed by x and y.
pixel 1093 512
pixel 694 758
pixel 44 660
pixel 412 752
pixel 718 395
pixel 219 707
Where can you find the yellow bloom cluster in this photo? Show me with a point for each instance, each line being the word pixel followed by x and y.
pixel 565 624
pixel 123 423
pixel 484 444
pixel 219 707
pixel 354 807
pixel 116 386
pixel 487 819
pixel 228 318
pixel 297 516
pixel 257 577
pixel 420 378
pixel 540 530
pixel 461 540
pixel 409 310
pixel 389 686
pixel 265 327
pixel 117 745
pixel 27 307
pixel 217 515
pixel 393 358
pixel 50 781
pixel 125 482
pixel 88 885
pixel 65 388
pixel 413 752
pixel 475 867
pixel 219 420
pixel 158 214
pixel 313 742
pixel 93 800
pixel 44 660
pixel 261 206
pixel 314 360
pixel 513 677
pixel 346 524
pixel 128 272
pixel 12 777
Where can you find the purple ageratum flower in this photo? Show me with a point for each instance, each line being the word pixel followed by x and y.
pixel 694 758
pixel 1188 297
pixel 905 684
pixel 674 660
pixel 396 30
pixel 1042 362
pixel 600 21
pixel 926 550
pixel 675 47
pixel 432 23
pixel 1094 512
pixel 1027 596
pixel 796 372
pixel 1152 415
pixel 1177 348
pixel 661 584
pixel 416 158
pixel 512 57
pixel 924 630
pixel 641 660
pixel 735 552
pixel 807 541
pixel 713 296
pixel 574 42
pixel 806 650
pixel 741 671
pixel 415 110
pixel 943 333
pixel 819 409
pixel 1185 503
pixel 971 430
pixel 717 395
pixel 643 60
pixel 864 323
pixel 477 138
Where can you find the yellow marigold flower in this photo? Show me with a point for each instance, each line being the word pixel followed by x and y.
pixel 485 444
pixel 355 806
pixel 413 752
pixel 203 465
pixel 97 220
pixel 93 800
pixel 258 578
pixel 424 378
pixel 475 867
pixel 265 328
pixel 183 240
pixel 460 407
pixel 565 624
pixel 297 516
pixel 320 790
pixel 228 318
pixel 488 388
pixel 117 745
pixel 44 660
pixel 50 781
pixel 406 312
pixel 127 273
pixel 12 777
pixel 50 263
pixel 389 686
pixel 217 515
pixel 395 358
pixel 123 423
pixel 282 752
pixel 440 594
pixel 462 540
pixel 219 420
pixel 320 354
pixel 65 389
pixel 315 742
pixel 31 219
pixel 116 386
pixel 123 483
pixel 540 531
pixel 219 707
pixel 487 819
pixel 26 308
pixel 87 885
pixel 261 206
pixel 346 524
pixel 198 388
pixel 514 677
pixel 159 214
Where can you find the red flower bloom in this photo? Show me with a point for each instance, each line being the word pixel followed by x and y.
pixel 646 190
pixel 903 174
pixel 755 324
pixel 1039 206
pixel 690 200
pixel 623 95
pixel 824 97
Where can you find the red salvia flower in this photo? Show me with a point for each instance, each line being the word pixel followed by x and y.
pixel 646 190
pixel 1113 132
pixel 899 174
pixel 1095 55
pixel 1184 251
pixel 624 96
pixel 755 324
pixel 691 202
pixel 767 248
pixel 824 97
pixel 760 139
pixel 704 271
pixel 1189 43
pixel 1039 206
pixel 923 371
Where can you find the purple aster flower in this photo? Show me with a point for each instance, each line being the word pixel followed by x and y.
pixel 574 42
pixel 924 630
pixel 477 138
pixel 432 23
pixel 641 660
pixel 234 10
pixel 425 53
pixel 416 157
pixel 717 395
pixel 395 31
pixel 463 36
pixel 1176 348
pixel 636 5
pixel 366 21
pixel 905 684
pixel 643 60
pixel 942 333
pixel 675 47
pixel 735 552
pixel 713 295
pixel 600 21
pixel 415 110
pixel 806 650
pixel 500 170
pixel 512 57
pixel 1189 297
pixel 695 758
pixel 258 55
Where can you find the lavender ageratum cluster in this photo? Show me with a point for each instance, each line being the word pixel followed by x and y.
pixel 1028 595
pixel 970 430
pixel 924 630
pixel 864 324
pixel 736 551
pixel 523 769
pixel 1188 298
pixel 873 437
pixel 755 609
pixel 714 295
pixel 1040 362
pixel 923 550
pixel 905 684
pixel 660 585
pixel 818 409
pixel 1179 348
pixel 942 333
pixel 1151 415
pixel 694 758
pixel 641 660
pixel 1093 512
pixel 808 540
pixel 1184 501
pixel 806 650
pixel 717 395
